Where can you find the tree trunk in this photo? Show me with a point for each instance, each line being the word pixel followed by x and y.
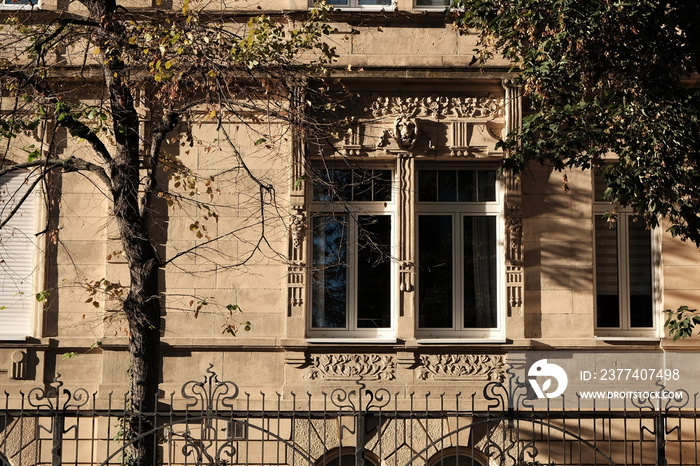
pixel 142 310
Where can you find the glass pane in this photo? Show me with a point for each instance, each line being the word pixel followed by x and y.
pixel 487 185
pixel 427 185
pixel 382 185
pixel 375 2
pixel 447 185
pixel 333 185
pixel 337 2
pixel 329 276
pixel 641 308
pixel 467 186
pixel 607 288
pixel 374 271
pixel 432 2
pixel 480 276
pixel 435 271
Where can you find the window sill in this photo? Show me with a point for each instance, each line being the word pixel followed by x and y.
pixel 629 338
pixel 360 341
pixel 460 341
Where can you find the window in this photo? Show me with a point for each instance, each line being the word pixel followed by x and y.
pixel 17 251
pixel 458 456
pixel 439 5
pixel 362 4
pixel 351 249
pixel 624 271
pixel 459 253
pixel 18 4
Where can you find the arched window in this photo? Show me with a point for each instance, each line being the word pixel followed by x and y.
pixel 345 457
pixel 464 456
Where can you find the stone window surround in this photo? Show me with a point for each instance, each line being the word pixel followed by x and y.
pixel 625 331
pixel 405 168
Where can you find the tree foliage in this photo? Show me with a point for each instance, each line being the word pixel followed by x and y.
pixel 120 84
pixel 609 81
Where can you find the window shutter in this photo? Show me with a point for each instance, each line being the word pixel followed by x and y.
pixel 17 250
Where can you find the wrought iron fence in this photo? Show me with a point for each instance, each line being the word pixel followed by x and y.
pixel 210 422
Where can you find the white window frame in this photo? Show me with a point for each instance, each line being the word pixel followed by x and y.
pixel 10 6
pixel 624 216
pixel 459 210
pixel 354 5
pixel 24 297
pixel 439 8
pixel 623 220
pixel 352 210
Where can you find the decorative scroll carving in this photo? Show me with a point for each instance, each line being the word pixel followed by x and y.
pixel 438 106
pixel 352 366
pixel 19 365
pixel 462 366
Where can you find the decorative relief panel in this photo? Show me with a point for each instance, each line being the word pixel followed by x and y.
pixel 478 367
pixel 438 106
pixel 352 366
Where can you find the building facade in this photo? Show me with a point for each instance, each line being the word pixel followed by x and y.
pixel 403 283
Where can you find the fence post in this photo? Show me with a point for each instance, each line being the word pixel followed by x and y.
pixel 660 431
pixel 360 426
pixel 57 427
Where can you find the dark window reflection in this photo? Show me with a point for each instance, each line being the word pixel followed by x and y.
pixel 641 299
pixel 435 271
pixel 606 270
pixel 353 185
pixel 457 186
pixel 374 271
pixel 480 272
pixel 329 276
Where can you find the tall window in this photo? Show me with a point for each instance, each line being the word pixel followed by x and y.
pixel 624 270
pixel 17 251
pixel 459 253
pixel 351 249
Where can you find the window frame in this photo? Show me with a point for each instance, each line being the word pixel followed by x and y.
pixel 460 210
pixel 16 7
pixel 429 8
pixel 353 5
pixel 352 210
pixel 625 216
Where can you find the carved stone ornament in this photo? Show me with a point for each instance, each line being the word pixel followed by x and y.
pixel 297 227
pixel 352 366
pixel 480 367
pixel 438 106
pixel 406 131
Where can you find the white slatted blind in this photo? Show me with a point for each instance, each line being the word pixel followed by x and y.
pixel 17 250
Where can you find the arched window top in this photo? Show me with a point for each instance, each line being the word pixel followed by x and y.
pixel 464 456
pixel 345 457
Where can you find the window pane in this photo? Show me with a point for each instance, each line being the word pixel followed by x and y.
pixel 329 276
pixel 467 186
pixel 435 271
pixel 432 2
pixel 480 272
pixel 486 185
pixel 447 186
pixel 374 271
pixel 427 185
pixel 382 185
pixel 607 288
pixel 337 2
pixel 641 309
pixel 333 185
pixel 375 2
